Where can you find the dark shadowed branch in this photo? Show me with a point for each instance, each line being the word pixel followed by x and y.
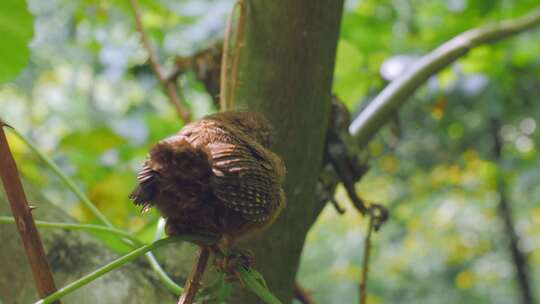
pixel 519 259
pixel 365 264
pixel 302 295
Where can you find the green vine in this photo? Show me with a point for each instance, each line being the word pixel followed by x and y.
pixel 120 262
pixel 154 264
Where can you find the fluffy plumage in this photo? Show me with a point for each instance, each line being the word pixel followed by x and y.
pixel 215 176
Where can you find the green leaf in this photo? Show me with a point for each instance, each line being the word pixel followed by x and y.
pixel 252 279
pixel 16 30
pixel 259 277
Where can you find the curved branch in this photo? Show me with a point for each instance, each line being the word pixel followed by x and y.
pixel 378 112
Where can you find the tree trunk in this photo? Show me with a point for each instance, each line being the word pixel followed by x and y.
pixel 285 72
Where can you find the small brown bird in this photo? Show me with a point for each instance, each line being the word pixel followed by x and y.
pixel 216 176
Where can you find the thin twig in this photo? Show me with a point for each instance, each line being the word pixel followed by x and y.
pixel 339 209
pixel 193 281
pixel 302 294
pixel 365 266
pixel 25 223
pixel 519 258
pixel 168 83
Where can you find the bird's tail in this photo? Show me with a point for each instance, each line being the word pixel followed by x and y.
pixel 147 188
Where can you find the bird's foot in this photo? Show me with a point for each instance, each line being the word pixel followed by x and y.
pixel 232 261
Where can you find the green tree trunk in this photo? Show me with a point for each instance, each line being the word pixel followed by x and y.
pixel 286 73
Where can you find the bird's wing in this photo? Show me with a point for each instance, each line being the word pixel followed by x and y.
pixel 242 180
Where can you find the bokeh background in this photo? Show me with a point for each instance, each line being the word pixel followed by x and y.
pixel 90 101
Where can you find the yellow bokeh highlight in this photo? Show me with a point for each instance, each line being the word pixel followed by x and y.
pixel 376 148
pixel 465 279
pixel 536 216
pixel 389 163
pixel 373 299
pixel 470 156
pixel 137 223
pixel 349 272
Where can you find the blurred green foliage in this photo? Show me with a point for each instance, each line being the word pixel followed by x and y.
pixel 16 32
pixel 444 242
pixel 89 100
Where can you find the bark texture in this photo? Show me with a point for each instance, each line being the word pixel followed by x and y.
pixel 285 73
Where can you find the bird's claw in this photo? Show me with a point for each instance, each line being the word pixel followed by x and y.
pixel 229 263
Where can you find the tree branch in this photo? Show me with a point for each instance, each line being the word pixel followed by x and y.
pixel 378 112
pixel 302 295
pixel 25 223
pixel 520 262
pixel 365 266
pixel 168 83
pixel 193 281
